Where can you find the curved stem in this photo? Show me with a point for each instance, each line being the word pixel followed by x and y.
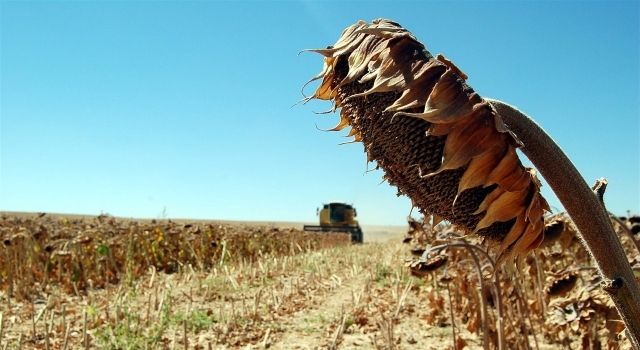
pixel 453 317
pixel 540 285
pixel 483 309
pixel 586 211
pixel 496 281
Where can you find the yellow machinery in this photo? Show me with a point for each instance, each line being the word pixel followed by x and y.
pixel 338 217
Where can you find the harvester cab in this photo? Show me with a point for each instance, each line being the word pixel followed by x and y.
pixel 338 217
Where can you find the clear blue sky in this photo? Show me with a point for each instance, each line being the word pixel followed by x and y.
pixel 132 107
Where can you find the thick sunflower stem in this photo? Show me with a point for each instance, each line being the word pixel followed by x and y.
pixel 586 211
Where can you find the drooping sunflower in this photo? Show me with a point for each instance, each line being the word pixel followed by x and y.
pixel 437 140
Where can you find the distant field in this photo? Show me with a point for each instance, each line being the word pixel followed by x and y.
pixel 372 233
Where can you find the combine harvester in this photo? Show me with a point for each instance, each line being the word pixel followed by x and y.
pixel 338 217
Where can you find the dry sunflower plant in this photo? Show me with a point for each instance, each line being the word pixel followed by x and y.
pixel 454 154
pixel 552 299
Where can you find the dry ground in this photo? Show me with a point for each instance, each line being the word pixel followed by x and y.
pixel 352 296
pixel 107 283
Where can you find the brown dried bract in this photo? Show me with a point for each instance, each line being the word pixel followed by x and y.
pixel 437 140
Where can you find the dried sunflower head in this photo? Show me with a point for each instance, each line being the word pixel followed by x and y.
pixel 436 139
pixel 553 231
pixel 421 268
pixel 562 284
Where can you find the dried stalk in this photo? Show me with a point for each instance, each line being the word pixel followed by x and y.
pixel 453 317
pixel 184 335
pixel 483 309
pixel 85 336
pixel 66 338
pixel 523 310
pixel 46 334
pixel 496 281
pixel 540 285
pixel 1 327
pixel 586 211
